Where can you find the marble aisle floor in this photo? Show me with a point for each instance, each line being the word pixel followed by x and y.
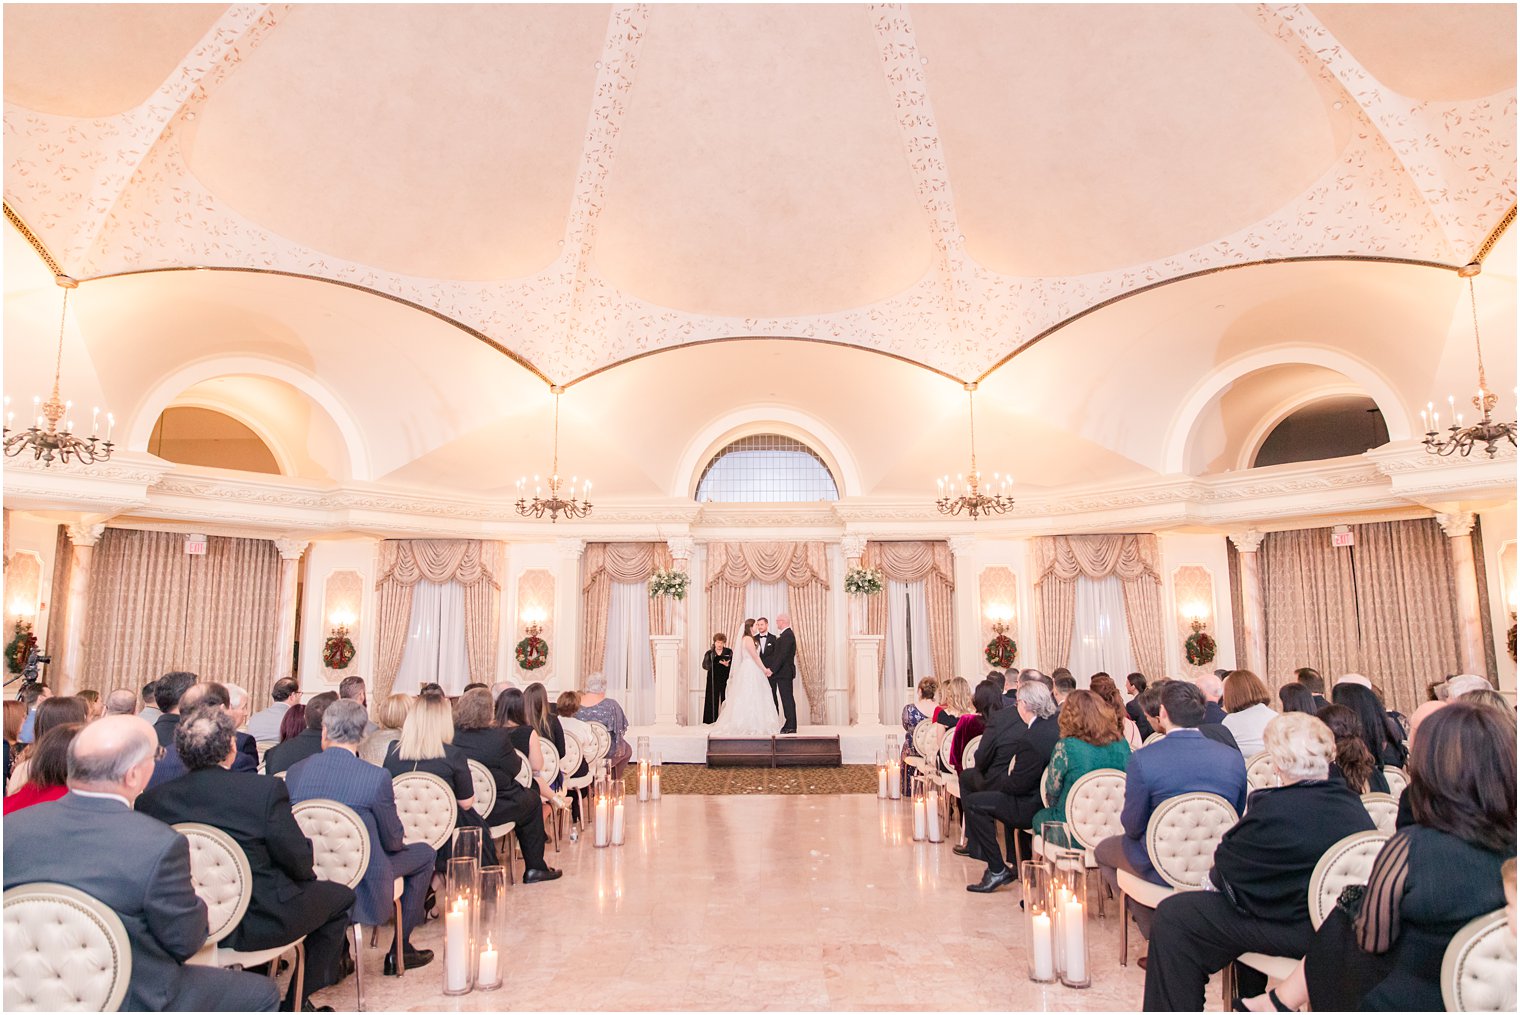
pixel 763 903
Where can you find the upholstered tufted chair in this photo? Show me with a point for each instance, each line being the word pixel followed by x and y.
pixel 64 951
pixel 485 802
pixel 427 808
pixel 1478 972
pixel 1384 809
pixel 1259 772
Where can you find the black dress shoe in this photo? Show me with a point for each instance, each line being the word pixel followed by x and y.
pixel 415 958
pixel 533 877
pixel 991 882
pixel 961 850
pixel 308 1006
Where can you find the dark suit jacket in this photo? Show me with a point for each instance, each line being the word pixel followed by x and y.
pixel 254 810
pixel 1139 718
pixel 780 658
pixel 172 766
pixel 1000 741
pixel 164 727
pixel 1185 761
pixel 338 774
pixel 1213 712
pixel 1032 747
pixel 1219 733
pixel 298 748
pixel 138 866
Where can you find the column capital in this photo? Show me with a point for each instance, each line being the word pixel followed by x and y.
pixel 81 534
pixel 852 546
pixel 570 549
pixel 1248 541
pixel 1456 524
pixel 962 545
pixel 291 549
pixel 682 548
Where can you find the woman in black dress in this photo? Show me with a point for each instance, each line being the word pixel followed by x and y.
pixel 426 745
pixel 479 739
pixel 716 664
pixel 1430 879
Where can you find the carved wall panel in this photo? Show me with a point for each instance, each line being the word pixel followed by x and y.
pixel 535 601
pixel 343 606
pixel 1193 596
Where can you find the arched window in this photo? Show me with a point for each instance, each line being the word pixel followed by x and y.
pixel 1331 427
pixel 766 467
pixel 195 436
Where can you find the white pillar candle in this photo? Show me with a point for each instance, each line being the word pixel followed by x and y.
pixel 881 783
pixel 600 821
pixel 654 785
pixel 456 923
pixel 931 804
pixel 1075 928
pixel 489 957
pixel 894 789
pixel 617 823
pixel 918 819
pixel 1057 935
pixel 643 781
pixel 1044 968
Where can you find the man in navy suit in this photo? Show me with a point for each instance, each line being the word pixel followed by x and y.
pixel 338 774
pixel 1185 761
pixel 171 766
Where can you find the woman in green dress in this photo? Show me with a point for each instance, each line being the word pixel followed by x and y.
pixel 1090 740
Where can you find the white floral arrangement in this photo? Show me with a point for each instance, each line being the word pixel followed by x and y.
pixel 671 584
pixel 863 581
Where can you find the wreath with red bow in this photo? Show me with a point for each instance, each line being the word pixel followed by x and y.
pixel 1001 651
pixel 1200 648
pixel 532 652
pixel 337 652
pixel 20 648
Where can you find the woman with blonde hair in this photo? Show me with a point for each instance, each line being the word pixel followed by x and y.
pixel 392 715
pixel 427 745
pixel 954 701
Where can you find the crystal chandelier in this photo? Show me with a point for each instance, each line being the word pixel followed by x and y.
pixel 965 492
pixel 44 438
pixel 562 499
pixel 1460 438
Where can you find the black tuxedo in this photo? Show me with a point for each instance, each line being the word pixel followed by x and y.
pixel 1013 796
pixel 288 900
pixel 780 657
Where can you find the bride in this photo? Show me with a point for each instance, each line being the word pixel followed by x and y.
pixel 749 708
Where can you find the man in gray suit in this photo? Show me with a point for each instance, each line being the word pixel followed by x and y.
pixel 91 839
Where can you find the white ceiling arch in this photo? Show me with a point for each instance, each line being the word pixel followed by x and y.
pixel 1281 411
pixel 757 419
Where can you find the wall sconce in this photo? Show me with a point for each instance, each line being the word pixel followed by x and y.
pixel 1196 614
pixel 533 620
pixel 1001 616
pixel 22 610
pixel 341 621
pixel 1200 648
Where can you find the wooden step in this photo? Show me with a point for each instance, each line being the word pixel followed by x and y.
pixel 790 751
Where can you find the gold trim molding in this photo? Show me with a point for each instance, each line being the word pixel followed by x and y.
pixel 1493 237
pixel 46 255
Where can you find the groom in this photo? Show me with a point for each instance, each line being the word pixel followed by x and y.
pixel 779 653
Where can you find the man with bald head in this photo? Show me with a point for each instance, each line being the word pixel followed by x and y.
pixel 1213 693
pixel 209 694
pixel 779 654
pixel 93 841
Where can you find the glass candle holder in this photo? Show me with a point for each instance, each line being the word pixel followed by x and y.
pixel 654 778
pixel 644 767
pixel 932 800
pixel 619 819
pixel 460 910
pixel 641 752
pixel 601 820
pixel 1055 837
pixel 920 815
pixel 883 769
pixel 894 746
pixel 1035 877
pixel 1071 920
pixel 467 842
pixel 491 927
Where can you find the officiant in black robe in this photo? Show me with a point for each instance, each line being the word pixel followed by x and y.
pixel 716 663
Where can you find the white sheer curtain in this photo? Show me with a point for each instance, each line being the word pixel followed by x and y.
pixel 435 646
pixel 1100 634
pixel 628 663
pixel 904 598
pixel 767 599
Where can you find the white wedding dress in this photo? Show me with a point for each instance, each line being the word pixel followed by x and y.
pixel 749 709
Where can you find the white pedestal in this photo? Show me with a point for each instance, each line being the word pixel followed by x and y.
pixel 667 675
pixel 865 653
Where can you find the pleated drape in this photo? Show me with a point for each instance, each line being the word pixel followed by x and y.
pixel 154 608
pixel 474 563
pixel 1310 599
pixel 928 561
pixel 601 565
pixel 1131 557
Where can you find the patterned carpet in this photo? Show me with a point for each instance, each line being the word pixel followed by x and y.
pixel 703 781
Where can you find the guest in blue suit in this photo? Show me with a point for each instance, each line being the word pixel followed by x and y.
pixel 171 765
pixel 338 774
pixel 1185 761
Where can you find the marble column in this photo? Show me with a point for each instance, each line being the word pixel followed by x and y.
pixel 1458 527
pixel 865 649
pixel 83 538
pixel 968 654
pixel 682 549
pixel 285 629
pixel 1254 651
pixel 567 618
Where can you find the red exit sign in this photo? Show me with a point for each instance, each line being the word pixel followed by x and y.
pixel 1342 539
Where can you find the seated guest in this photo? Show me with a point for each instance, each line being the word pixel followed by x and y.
pixel 1295 697
pixel 1104 687
pixel 1260 877
pixel 1059 673
pixel 50 713
pixel 1491 699
pixel 294 722
pixel 1184 761
pixel 542 718
pixel 32 694
pixel 1462 683
pixel 353 689
pixel 205 695
pixel 1151 702
pixel 337 774
pixel 512 716
pixel 121 701
pixel 392 715
pixel 308 742
pixel 264 725
pixel 1246 710
pixel 1353 763
pixel 48 773
pixel 427 745
pixel 597 707
pixel 288 900
pixel 91 699
pixel 134 864
pixel 567 704
pixel 1358 679
pixel 954 701
pixel 1064 683
pixel 1212 687
pixel 479 739
pixel 15 712
pixel 1313 683
pixel 149 712
pixel 1135 683
pixel 985 700
pixel 1013 795
pixel 1089 741
pixel 1375 733
pixel 1429 880
pixel 171 688
pixel 914 713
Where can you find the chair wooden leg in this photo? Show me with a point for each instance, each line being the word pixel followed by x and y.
pixel 1102 896
pixel 1227 985
pixel 300 973
pixel 359 967
pixel 400 965
pixel 1123 928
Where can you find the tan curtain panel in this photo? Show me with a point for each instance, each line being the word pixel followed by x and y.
pixel 474 563
pixel 154 608
pixel 601 565
pixel 1310 600
pixel 804 568
pixel 931 562
pixel 1131 557
pixel 1406 599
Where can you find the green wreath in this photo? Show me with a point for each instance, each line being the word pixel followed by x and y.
pixel 532 652
pixel 1001 652
pixel 20 648
pixel 1200 648
pixel 1512 640
pixel 337 652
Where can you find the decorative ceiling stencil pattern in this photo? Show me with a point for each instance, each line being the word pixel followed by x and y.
pixel 1418 179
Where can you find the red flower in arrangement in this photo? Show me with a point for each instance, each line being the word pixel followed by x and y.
pixel 532 652
pixel 337 652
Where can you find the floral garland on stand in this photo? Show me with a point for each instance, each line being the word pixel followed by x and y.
pixel 670 584
pixel 1001 651
pixel 532 652
pixel 20 648
pixel 337 652
pixel 863 581
pixel 1200 646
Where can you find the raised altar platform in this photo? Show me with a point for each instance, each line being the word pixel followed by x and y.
pixel 687 745
pixel 796 750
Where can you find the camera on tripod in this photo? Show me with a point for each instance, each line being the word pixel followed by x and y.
pixel 33 670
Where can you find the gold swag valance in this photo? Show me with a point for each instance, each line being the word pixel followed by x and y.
pixel 409 561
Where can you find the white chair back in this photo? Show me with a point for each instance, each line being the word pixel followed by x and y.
pixel 64 951
pixel 427 808
pixel 945 743
pixel 1397 780
pixel 968 756
pixel 1348 862
pixel 578 729
pixel 339 841
pixel 571 760
pixel 524 771
pixel 1152 738
pixel 1478 970
pixel 603 737
pixel 1259 772
pixel 1384 809
pixel 1182 835
pixel 926 739
pixel 221 876
pixel 551 758
pixel 485 788
pixel 1093 806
